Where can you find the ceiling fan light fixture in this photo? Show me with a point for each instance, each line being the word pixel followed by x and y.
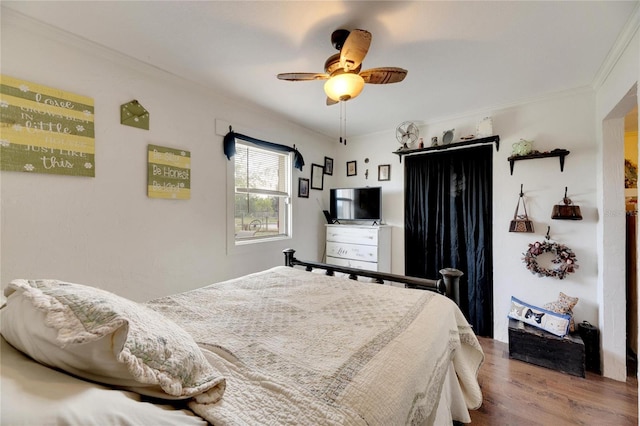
pixel 342 87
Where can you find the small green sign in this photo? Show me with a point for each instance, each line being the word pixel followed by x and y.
pixel 135 115
pixel 168 173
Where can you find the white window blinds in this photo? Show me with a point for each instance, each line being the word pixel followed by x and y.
pixel 260 171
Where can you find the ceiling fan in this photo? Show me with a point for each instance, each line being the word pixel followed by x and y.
pixel 345 80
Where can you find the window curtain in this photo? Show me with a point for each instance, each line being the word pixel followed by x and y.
pixel 229 146
pixel 448 217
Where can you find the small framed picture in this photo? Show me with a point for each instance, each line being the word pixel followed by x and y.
pixel 317 176
pixel 384 172
pixel 303 188
pixel 352 169
pixel 328 166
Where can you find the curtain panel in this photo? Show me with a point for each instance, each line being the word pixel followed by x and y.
pixel 448 218
pixel 229 147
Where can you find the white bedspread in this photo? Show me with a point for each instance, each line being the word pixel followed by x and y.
pixel 300 348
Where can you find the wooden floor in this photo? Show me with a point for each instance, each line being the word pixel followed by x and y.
pixel 518 393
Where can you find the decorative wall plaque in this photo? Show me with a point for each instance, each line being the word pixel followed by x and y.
pixel 168 173
pixel 45 130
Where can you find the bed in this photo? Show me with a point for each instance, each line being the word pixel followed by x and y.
pixel 285 346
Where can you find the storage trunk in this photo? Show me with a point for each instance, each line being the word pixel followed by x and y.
pixel 536 346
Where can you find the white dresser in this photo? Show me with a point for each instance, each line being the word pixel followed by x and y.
pixel 359 246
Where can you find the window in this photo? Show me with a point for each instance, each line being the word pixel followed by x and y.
pixel 262 193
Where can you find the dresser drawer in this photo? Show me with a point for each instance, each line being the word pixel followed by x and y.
pixel 353 235
pixel 358 264
pixel 359 246
pixel 352 251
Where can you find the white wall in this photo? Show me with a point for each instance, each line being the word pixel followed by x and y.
pixel 377 148
pixel 105 231
pixel 565 121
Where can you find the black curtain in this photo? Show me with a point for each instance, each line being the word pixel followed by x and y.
pixel 229 147
pixel 448 217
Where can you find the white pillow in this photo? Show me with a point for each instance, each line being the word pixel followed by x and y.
pixel 102 337
pixel 36 395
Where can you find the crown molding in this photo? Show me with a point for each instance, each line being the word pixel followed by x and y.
pixel 489 110
pixel 89 47
pixel 617 50
pixel 9 16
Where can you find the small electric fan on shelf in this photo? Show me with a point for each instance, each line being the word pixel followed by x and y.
pixel 407 134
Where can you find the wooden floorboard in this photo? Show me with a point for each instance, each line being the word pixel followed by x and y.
pixel 518 393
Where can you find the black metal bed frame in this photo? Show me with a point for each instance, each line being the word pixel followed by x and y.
pixel 438 286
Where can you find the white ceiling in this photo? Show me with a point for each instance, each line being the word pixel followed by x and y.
pixel 461 56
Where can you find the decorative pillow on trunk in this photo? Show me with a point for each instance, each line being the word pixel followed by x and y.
pixel 564 305
pixel 546 320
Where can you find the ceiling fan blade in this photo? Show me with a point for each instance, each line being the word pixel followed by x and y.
pixel 302 76
pixel 385 75
pixel 331 101
pixel 354 50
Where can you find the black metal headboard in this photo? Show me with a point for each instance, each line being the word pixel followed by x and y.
pixel 380 277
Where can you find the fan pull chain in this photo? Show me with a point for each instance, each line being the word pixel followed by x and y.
pixel 340 122
pixel 343 122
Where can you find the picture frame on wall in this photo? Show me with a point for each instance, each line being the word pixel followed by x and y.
pixel 328 166
pixel 352 168
pixel 317 176
pixel 384 172
pixel 303 188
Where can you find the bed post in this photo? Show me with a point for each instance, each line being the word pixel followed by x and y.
pixel 451 278
pixel 288 256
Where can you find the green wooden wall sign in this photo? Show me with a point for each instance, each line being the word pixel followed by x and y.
pixel 168 173
pixel 45 130
pixel 135 115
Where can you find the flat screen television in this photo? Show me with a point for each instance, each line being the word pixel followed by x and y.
pixel 356 203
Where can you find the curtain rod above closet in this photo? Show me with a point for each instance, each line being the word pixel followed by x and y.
pixel 457 145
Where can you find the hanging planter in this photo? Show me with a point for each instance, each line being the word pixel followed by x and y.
pixel 564 259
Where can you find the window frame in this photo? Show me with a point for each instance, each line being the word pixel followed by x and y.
pixel 233 244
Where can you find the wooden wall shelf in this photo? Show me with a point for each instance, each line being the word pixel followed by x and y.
pixel 560 153
pixel 490 139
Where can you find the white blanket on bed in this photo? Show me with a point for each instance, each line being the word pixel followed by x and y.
pixel 300 348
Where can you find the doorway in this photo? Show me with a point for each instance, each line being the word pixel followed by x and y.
pixel 631 216
pixel 613 236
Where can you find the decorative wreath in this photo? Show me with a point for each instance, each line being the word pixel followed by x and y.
pixel 565 259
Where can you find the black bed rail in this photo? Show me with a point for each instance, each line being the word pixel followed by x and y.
pixel 438 286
